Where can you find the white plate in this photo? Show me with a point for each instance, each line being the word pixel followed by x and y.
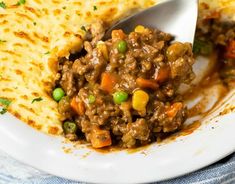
pixel 209 143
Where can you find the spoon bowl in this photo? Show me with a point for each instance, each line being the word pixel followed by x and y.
pixel 177 17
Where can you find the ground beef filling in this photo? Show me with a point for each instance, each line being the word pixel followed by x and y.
pixel 218 37
pixel 123 91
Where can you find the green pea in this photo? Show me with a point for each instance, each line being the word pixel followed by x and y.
pixel 119 97
pixel 202 47
pixel 122 46
pixel 91 99
pixel 69 127
pixel 58 93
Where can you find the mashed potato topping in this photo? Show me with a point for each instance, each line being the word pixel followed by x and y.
pixel 223 8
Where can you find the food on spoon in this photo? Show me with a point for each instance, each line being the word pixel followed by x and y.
pixel 123 91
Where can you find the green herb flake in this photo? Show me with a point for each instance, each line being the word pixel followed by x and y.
pixel 46 53
pixel 3 5
pixel 34 23
pixel 64 7
pixel 21 2
pixel 37 99
pixel 83 28
pixel 3 111
pixel 94 8
pixel 5 102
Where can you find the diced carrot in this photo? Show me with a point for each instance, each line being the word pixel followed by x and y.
pixel 81 108
pixel 78 107
pixel 74 104
pixel 108 82
pixel 145 83
pixel 174 109
pixel 118 34
pixel 162 74
pixel 230 50
pixel 100 138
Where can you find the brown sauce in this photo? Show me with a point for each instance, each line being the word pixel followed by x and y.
pixel 204 89
pixel 186 130
pixel 112 149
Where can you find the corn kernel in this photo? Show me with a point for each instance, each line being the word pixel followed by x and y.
pixel 139 29
pixel 139 100
pixel 103 49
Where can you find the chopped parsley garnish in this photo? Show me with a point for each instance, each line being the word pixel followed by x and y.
pixel 83 28
pixel 21 2
pixel 5 102
pixel 47 53
pixel 3 41
pixel 3 111
pixel 34 23
pixel 37 99
pixel 64 7
pixel 3 5
pixel 94 8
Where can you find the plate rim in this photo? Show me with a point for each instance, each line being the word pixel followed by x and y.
pixel 224 152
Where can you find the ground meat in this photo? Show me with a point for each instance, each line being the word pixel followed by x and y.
pixel 124 89
pixel 64 108
pixel 180 57
pixel 91 66
pixel 140 130
pixel 67 79
pixel 97 31
pixel 214 35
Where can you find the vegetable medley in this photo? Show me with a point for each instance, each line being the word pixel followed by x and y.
pixel 123 91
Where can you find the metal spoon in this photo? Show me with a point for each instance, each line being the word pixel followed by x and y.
pixel 177 17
